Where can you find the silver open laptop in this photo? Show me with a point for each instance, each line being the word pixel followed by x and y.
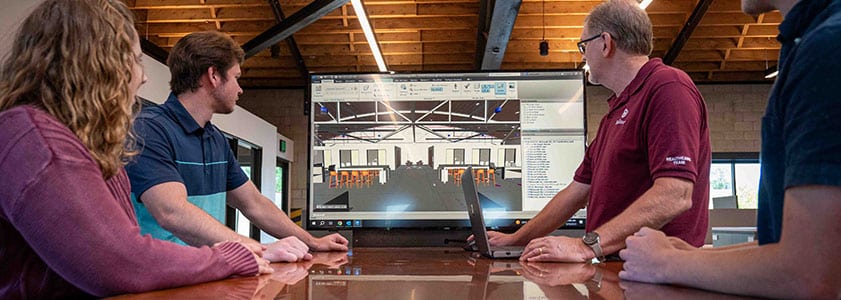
pixel 477 222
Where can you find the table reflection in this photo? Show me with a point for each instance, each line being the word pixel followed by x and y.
pixel 429 273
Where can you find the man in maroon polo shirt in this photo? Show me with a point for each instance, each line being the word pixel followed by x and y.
pixel 650 161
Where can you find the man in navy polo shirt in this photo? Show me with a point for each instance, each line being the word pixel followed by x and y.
pixel 649 163
pixel 186 172
pixel 800 187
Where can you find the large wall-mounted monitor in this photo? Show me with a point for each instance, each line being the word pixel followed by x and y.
pixel 390 150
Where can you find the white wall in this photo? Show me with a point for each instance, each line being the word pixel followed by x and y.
pixel 12 14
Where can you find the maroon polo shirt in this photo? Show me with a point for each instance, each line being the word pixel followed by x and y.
pixel 656 128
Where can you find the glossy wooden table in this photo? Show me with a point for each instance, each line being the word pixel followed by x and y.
pixel 429 273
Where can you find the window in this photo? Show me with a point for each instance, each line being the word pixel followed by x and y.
pixel 484 156
pixel 734 180
pixel 510 157
pixel 318 158
pixel 373 157
pixel 281 184
pixel 747 184
pixel 249 158
pixel 458 156
pixel 344 158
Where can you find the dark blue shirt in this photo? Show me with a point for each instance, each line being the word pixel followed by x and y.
pixel 174 148
pixel 801 129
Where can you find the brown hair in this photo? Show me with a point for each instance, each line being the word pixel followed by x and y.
pixel 74 59
pixel 626 22
pixel 196 52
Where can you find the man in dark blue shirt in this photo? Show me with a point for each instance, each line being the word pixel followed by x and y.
pixel 800 185
pixel 186 173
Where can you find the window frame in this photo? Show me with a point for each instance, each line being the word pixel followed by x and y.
pixel 734 158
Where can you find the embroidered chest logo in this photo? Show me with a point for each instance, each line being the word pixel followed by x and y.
pixel 678 160
pixel 622 118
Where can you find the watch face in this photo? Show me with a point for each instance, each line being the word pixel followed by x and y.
pixel 591 238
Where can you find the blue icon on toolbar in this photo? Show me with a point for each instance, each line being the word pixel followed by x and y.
pixel 357 223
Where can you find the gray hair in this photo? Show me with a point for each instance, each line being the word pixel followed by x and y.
pixel 627 24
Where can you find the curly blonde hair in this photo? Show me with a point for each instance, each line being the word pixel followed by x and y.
pixel 74 59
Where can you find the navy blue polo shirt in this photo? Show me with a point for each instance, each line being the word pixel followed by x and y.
pixel 801 132
pixel 174 148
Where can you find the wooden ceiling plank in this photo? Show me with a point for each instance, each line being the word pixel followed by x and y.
pixel 728 18
pixel 268 62
pixel 194 6
pixel 745 30
pixel 726 6
pixel 450 8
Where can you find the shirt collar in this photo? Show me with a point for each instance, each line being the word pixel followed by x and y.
pixel 182 116
pixel 800 18
pixel 636 84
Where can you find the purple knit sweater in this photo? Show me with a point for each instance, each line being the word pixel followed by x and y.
pixel 66 232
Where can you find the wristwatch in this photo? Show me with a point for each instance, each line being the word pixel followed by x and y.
pixel 595 282
pixel 591 239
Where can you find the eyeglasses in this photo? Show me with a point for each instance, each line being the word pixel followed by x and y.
pixel 583 43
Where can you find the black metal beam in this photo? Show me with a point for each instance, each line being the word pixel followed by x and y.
pixel 485 13
pixel 300 19
pixel 502 22
pixel 290 41
pixel 685 32
pixel 153 51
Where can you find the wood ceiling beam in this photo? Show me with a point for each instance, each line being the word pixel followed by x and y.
pixel 153 51
pixel 485 12
pixel 682 37
pixel 214 16
pixel 289 26
pixel 502 23
pixel 290 41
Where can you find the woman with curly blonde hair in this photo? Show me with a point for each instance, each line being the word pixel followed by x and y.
pixel 67 92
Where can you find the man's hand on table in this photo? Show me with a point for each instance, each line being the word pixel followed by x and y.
pixel 556 249
pixel 333 242
pixel 647 256
pixel 289 249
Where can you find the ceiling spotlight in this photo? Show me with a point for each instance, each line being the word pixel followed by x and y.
pixel 544 45
pixel 544 48
pixel 771 72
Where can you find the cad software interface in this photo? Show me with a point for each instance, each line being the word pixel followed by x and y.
pixel 390 150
